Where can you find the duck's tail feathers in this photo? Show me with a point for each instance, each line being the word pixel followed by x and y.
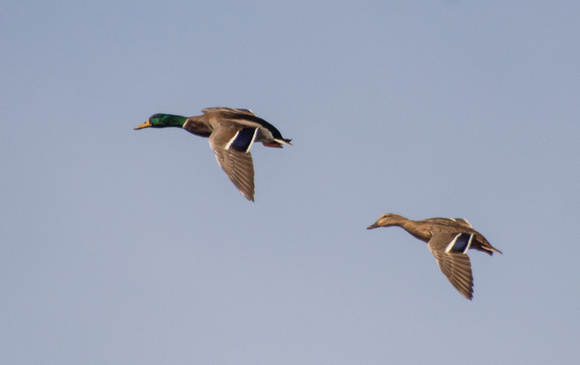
pixel 489 249
pixel 277 143
pixel 495 250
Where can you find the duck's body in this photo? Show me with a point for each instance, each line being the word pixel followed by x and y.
pixel 231 133
pixel 448 239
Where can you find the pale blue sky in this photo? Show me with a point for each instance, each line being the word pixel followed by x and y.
pixel 133 247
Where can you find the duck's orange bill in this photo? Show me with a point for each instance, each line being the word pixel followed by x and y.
pixel 144 125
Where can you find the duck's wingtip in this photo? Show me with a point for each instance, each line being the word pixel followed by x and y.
pixel 249 197
pixel 467 295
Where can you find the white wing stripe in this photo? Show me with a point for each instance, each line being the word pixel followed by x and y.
pixel 450 245
pixel 227 146
pixel 468 243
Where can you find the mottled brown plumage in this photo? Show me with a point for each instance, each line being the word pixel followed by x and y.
pixel 448 239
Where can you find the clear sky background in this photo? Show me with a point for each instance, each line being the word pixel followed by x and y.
pixel 132 247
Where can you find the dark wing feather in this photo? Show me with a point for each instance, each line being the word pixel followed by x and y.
pixel 454 265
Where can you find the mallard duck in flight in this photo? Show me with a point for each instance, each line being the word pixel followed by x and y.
pixel 231 134
pixel 448 239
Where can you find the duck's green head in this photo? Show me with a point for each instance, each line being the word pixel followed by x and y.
pixel 162 121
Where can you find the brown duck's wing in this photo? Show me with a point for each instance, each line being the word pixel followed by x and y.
pixel 228 110
pixel 267 134
pixel 238 165
pixel 462 222
pixel 459 223
pixel 456 266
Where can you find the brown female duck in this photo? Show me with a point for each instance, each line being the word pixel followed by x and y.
pixel 448 239
pixel 231 134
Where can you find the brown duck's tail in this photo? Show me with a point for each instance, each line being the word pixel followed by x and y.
pixel 277 143
pixel 488 249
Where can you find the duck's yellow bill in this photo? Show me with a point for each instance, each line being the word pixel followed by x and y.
pixel 144 125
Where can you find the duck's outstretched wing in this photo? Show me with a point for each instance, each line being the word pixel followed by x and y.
pixel 232 151
pixel 228 110
pixel 449 249
pixel 245 118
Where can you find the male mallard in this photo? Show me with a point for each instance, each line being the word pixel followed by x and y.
pixel 448 239
pixel 231 134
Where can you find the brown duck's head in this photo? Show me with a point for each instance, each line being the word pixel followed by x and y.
pixel 387 220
